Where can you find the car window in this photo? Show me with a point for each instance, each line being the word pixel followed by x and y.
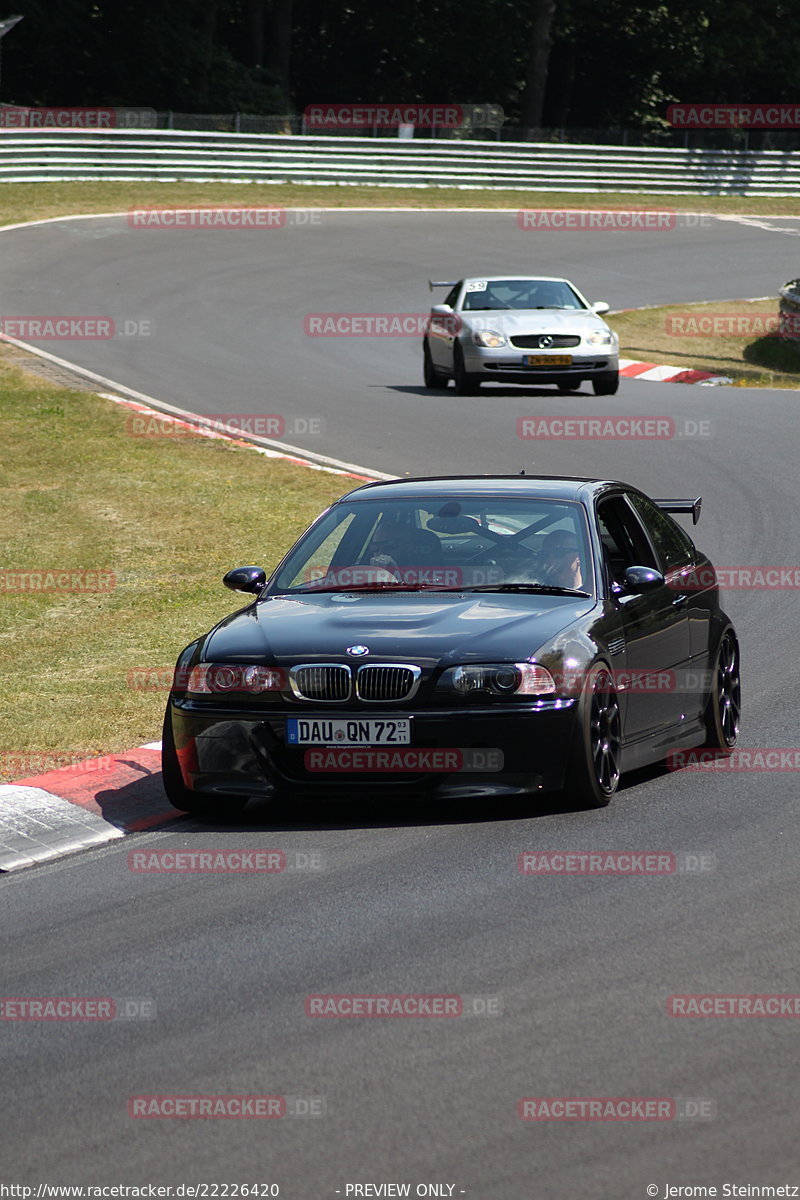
pixel 624 542
pixel 455 541
pixel 675 548
pixel 452 296
pixel 322 551
pixel 505 294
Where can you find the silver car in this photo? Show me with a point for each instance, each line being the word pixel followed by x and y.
pixel 516 329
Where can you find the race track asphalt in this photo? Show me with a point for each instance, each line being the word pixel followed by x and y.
pixel 427 901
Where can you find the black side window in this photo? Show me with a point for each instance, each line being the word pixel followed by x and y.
pixel 624 541
pixel 675 548
pixel 453 296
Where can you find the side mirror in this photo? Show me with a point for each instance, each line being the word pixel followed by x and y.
pixel 441 310
pixel 642 579
pixel 246 579
pixel 600 307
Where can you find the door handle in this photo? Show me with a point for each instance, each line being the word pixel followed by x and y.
pixel 680 599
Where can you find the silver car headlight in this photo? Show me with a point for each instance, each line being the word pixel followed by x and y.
pixel 600 338
pixel 488 337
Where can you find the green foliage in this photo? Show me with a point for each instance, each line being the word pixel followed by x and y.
pixel 618 63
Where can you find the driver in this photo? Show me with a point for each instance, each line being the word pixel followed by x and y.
pixel 560 563
pixel 390 545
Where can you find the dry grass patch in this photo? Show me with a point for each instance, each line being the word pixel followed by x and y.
pixel 37 201
pixel 670 335
pixel 166 519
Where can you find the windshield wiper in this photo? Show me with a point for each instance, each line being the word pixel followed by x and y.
pixel 546 588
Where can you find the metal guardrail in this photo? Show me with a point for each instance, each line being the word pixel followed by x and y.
pixel 33 156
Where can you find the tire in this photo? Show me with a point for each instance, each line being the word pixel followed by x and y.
pixel 569 386
pixel 467 384
pixel 430 375
pixel 593 772
pixel 606 385
pixel 179 795
pixel 724 707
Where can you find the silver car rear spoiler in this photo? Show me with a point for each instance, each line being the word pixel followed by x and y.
pixel 683 506
pixel 432 283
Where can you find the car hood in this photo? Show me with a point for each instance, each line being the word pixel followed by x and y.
pixel 421 628
pixel 535 320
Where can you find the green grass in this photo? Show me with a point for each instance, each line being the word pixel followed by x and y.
pixel 751 361
pixel 168 518
pixel 36 201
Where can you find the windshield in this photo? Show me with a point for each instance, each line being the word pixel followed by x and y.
pixel 484 295
pixel 453 544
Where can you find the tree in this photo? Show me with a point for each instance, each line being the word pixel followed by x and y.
pixel 539 46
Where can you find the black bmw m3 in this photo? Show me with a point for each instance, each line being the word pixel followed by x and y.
pixel 490 635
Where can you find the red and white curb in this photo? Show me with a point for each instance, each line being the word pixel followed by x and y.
pixel 661 373
pixel 81 805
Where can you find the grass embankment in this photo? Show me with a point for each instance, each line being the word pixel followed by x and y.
pixel 661 335
pixel 167 518
pixel 36 201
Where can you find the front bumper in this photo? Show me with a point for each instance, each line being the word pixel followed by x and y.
pixel 503 749
pixel 505 364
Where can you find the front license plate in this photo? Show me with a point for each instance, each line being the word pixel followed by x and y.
pixel 322 731
pixel 547 360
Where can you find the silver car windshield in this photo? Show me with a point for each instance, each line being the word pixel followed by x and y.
pixel 484 295
pixel 444 543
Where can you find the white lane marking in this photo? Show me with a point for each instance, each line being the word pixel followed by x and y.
pixel 36 825
pixel 391 208
pixel 758 222
pixel 149 746
pixel 322 461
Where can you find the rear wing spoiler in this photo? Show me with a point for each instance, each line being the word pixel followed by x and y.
pixel 683 506
pixel 432 283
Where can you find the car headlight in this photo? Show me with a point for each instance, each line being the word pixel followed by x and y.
pixel 599 338
pixel 499 679
pixel 220 679
pixel 489 337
